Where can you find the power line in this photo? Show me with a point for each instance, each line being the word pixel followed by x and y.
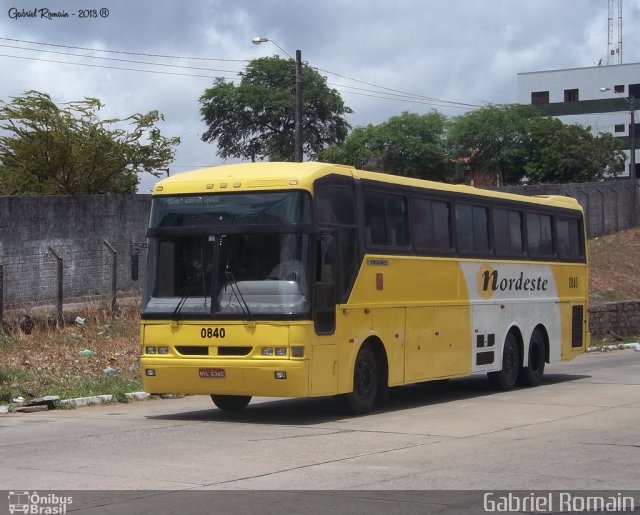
pixel 120 60
pixel 396 90
pixel 110 67
pixel 124 52
pixel 381 92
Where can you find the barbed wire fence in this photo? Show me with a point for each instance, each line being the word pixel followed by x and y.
pixel 55 284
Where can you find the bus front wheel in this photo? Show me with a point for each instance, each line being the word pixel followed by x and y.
pixel 505 379
pixel 231 402
pixel 365 383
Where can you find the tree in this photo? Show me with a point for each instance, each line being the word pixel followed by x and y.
pixel 256 119
pixel 570 153
pixel 494 138
pixel 516 141
pixel 49 149
pixel 411 145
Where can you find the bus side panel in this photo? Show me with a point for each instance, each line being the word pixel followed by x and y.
pixel 389 324
pixel 419 344
pixel 451 349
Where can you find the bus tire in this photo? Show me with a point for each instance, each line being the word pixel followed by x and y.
pixel 231 402
pixel 505 379
pixel 365 383
pixel 531 375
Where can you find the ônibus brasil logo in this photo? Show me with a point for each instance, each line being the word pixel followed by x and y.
pixel 490 280
pixel 23 501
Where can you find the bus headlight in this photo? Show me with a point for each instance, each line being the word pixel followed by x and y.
pixel 267 351
pixel 281 351
pixel 163 350
pixel 149 349
pixel 150 372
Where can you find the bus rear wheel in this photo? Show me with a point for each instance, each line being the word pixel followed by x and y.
pixel 365 383
pixel 506 378
pixel 231 402
pixel 531 375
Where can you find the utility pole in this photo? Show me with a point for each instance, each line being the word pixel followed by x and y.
pixel 632 160
pixel 298 119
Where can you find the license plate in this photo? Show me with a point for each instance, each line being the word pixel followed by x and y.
pixel 211 373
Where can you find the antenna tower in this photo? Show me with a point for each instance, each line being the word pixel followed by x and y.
pixel 613 52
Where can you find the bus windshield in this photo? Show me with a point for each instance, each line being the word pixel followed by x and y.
pixel 229 256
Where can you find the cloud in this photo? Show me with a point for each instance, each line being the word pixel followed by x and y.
pixel 467 51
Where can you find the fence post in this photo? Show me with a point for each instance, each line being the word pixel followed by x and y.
pixel 114 275
pixel 59 315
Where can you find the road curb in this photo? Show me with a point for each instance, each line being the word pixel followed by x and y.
pixel 617 346
pixel 80 401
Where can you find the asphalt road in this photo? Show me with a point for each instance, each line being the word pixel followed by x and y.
pixel 579 430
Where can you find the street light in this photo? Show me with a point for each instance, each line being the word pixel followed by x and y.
pixel 298 111
pixel 632 151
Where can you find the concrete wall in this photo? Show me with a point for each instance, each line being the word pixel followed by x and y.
pixel 607 204
pixel 622 318
pixel 75 228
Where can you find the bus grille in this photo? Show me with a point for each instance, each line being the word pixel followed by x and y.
pixel 192 350
pixel 234 351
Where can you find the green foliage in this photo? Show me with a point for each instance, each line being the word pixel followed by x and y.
pixel 410 145
pixel 517 141
pixel 256 119
pixel 570 153
pixel 49 149
pixel 494 138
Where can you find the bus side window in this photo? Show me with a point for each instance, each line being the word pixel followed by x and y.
pixel 335 208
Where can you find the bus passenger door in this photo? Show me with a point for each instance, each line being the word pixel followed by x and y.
pixel 418 356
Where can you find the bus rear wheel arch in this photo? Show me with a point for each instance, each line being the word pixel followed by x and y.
pixel 231 402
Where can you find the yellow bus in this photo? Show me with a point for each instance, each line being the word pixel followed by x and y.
pixel 313 279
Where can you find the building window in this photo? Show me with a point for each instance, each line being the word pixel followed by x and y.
pixel 539 97
pixel 619 127
pixel 571 95
pixel 634 90
pixel 618 88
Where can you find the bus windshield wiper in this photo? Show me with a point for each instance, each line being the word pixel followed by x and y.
pixel 189 289
pixel 238 295
pixel 183 299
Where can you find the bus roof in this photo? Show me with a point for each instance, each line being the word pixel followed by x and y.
pixel 288 175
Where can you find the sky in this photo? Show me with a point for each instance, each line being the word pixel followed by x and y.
pixel 376 53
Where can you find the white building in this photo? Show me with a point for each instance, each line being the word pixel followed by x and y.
pixel 575 95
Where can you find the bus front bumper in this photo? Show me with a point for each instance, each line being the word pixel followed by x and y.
pixel 265 378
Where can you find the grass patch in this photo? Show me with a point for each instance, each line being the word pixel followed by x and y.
pixel 40 359
pixel 10 380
